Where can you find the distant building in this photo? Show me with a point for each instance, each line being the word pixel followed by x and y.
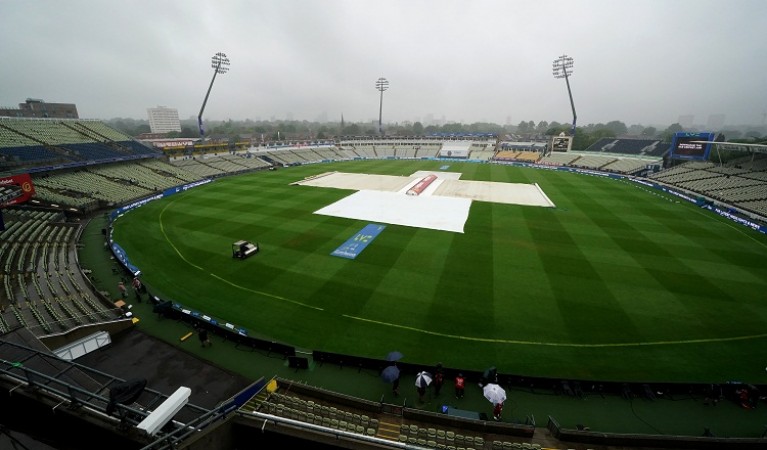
pixel 686 120
pixel 38 108
pixel 715 122
pixel 163 120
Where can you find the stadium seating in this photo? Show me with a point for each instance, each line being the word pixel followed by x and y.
pixel 43 289
pixel 36 142
pixel 650 147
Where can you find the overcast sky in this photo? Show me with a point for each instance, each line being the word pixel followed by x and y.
pixel 642 62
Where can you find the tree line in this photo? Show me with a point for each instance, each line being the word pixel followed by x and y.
pixel 242 130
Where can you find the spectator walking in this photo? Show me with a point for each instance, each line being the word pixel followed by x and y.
pixel 136 283
pixel 204 339
pixel 497 410
pixel 123 289
pixel 421 393
pixel 439 379
pixel 395 383
pixel 460 385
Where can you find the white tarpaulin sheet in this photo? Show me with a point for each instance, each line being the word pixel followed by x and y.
pixel 436 213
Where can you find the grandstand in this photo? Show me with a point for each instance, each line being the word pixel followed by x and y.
pixel 44 290
pixel 740 183
pixel 37 143
pixel 623 146
pixel 83 167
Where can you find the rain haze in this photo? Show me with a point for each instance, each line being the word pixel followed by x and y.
pixel 641 62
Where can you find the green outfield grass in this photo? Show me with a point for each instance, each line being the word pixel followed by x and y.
pixel 618 282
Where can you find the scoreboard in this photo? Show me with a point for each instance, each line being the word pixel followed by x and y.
pixel 689 146
pixel 561 143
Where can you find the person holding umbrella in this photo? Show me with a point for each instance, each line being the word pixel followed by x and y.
pixel 395 383
pixel 496 395
pixel 422 380
pixel 390 374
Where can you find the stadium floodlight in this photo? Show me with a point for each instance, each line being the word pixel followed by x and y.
pixel 220 64
pixel 382 84
pixel 562 67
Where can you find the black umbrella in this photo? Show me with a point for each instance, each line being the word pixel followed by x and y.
pixel 394 356
pixel 390 373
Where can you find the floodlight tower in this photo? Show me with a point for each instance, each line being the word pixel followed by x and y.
pixel 220 64
pixel 563 68
pixel 382 84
